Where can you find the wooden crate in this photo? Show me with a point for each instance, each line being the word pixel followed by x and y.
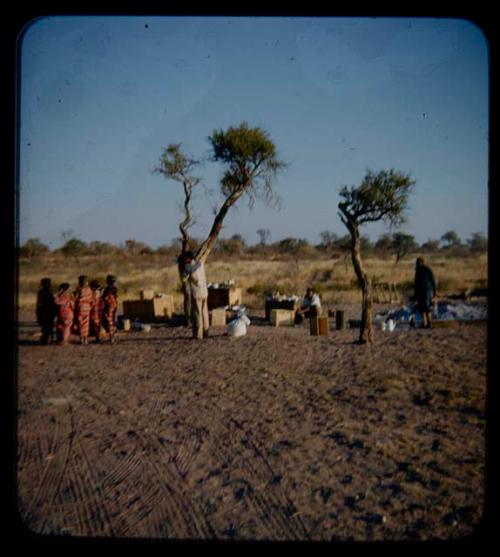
pixel 222 297
pixel 283 317
pixel 159 308
pixel 285 304
pixel 445 323
pixel 218 317
pixel 318 326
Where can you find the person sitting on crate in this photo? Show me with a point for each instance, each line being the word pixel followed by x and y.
pixel 425 291
pixel 311 306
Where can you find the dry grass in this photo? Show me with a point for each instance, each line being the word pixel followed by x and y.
pixel 333 278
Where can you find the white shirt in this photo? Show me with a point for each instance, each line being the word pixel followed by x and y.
pixel 314 301
pixel 197 280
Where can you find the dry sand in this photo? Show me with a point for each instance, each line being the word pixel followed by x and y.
pixel 274 436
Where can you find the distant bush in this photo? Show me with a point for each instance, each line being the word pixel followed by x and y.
pixel 33 248
pixel 478 243
pixel 262 289
pixel 101 248
pixel 74 246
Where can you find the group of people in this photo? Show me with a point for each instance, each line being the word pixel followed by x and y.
pixel 89 308
pixel 82 312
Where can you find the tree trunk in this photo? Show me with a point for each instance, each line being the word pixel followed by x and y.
pixel 366 327
pixel 206 247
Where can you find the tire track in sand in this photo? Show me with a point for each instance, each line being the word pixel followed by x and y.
pixel 177 508
pixel 257 484
pixel 38 513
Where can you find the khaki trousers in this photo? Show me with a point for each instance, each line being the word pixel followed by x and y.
pixel 199 316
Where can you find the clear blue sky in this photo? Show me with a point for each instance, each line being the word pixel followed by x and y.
pixel 101 96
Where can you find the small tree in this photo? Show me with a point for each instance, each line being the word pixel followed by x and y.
pixel 264 235
pixel 383 243
pixel 402 244
pixel 381 196
pixel 478 243
pixel 450 239
pixel 74 246
pixel 176 165
pixel 431 246
pixel 33 248
pixel 133 247
pixel 328 240
pixel 251 164
pixel 101 248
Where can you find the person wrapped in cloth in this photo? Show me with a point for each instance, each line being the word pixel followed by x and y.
pixel 46 310
pixel 193 275
pixel 425 291
pixel 311 306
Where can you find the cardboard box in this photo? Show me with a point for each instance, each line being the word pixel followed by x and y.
pixel 222 297
pixel 319 326
pixel 218 317
pixel 284 304
pixel 283 317
pixel 149 310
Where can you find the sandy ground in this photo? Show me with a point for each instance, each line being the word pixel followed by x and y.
pixel 274 436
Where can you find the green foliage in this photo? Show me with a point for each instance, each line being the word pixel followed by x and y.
pixel 402 244
pixel 344 243
pixel 176 165
pixel 450 239
pixel 235 245
pixel 251 162
pixel 383 243
pixel 381 196
pixel 478 243
pixel 74 246
pixel 431 246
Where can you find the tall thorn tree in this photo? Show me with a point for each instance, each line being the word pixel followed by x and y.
pixel 381 196
pixel 177 166
pixel 251 163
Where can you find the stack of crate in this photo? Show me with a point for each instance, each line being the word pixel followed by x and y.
pixel 149 307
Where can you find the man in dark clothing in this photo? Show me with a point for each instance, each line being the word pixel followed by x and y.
pixel 425 291
pixel 45 310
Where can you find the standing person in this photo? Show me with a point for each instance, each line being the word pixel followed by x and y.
pixel 311 306
pixel 110 307
pixel 425 291
pixel 46 310
pixel 96 310
pixel 83 304
pixel 65 304
pixel 194 276
pixel 186 291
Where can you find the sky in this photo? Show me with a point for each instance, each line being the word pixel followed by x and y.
pixel 100 97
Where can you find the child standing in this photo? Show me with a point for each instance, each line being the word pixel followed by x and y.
pixel 65 312
pixel 83 305
pixel 96 310
pixel 110 307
